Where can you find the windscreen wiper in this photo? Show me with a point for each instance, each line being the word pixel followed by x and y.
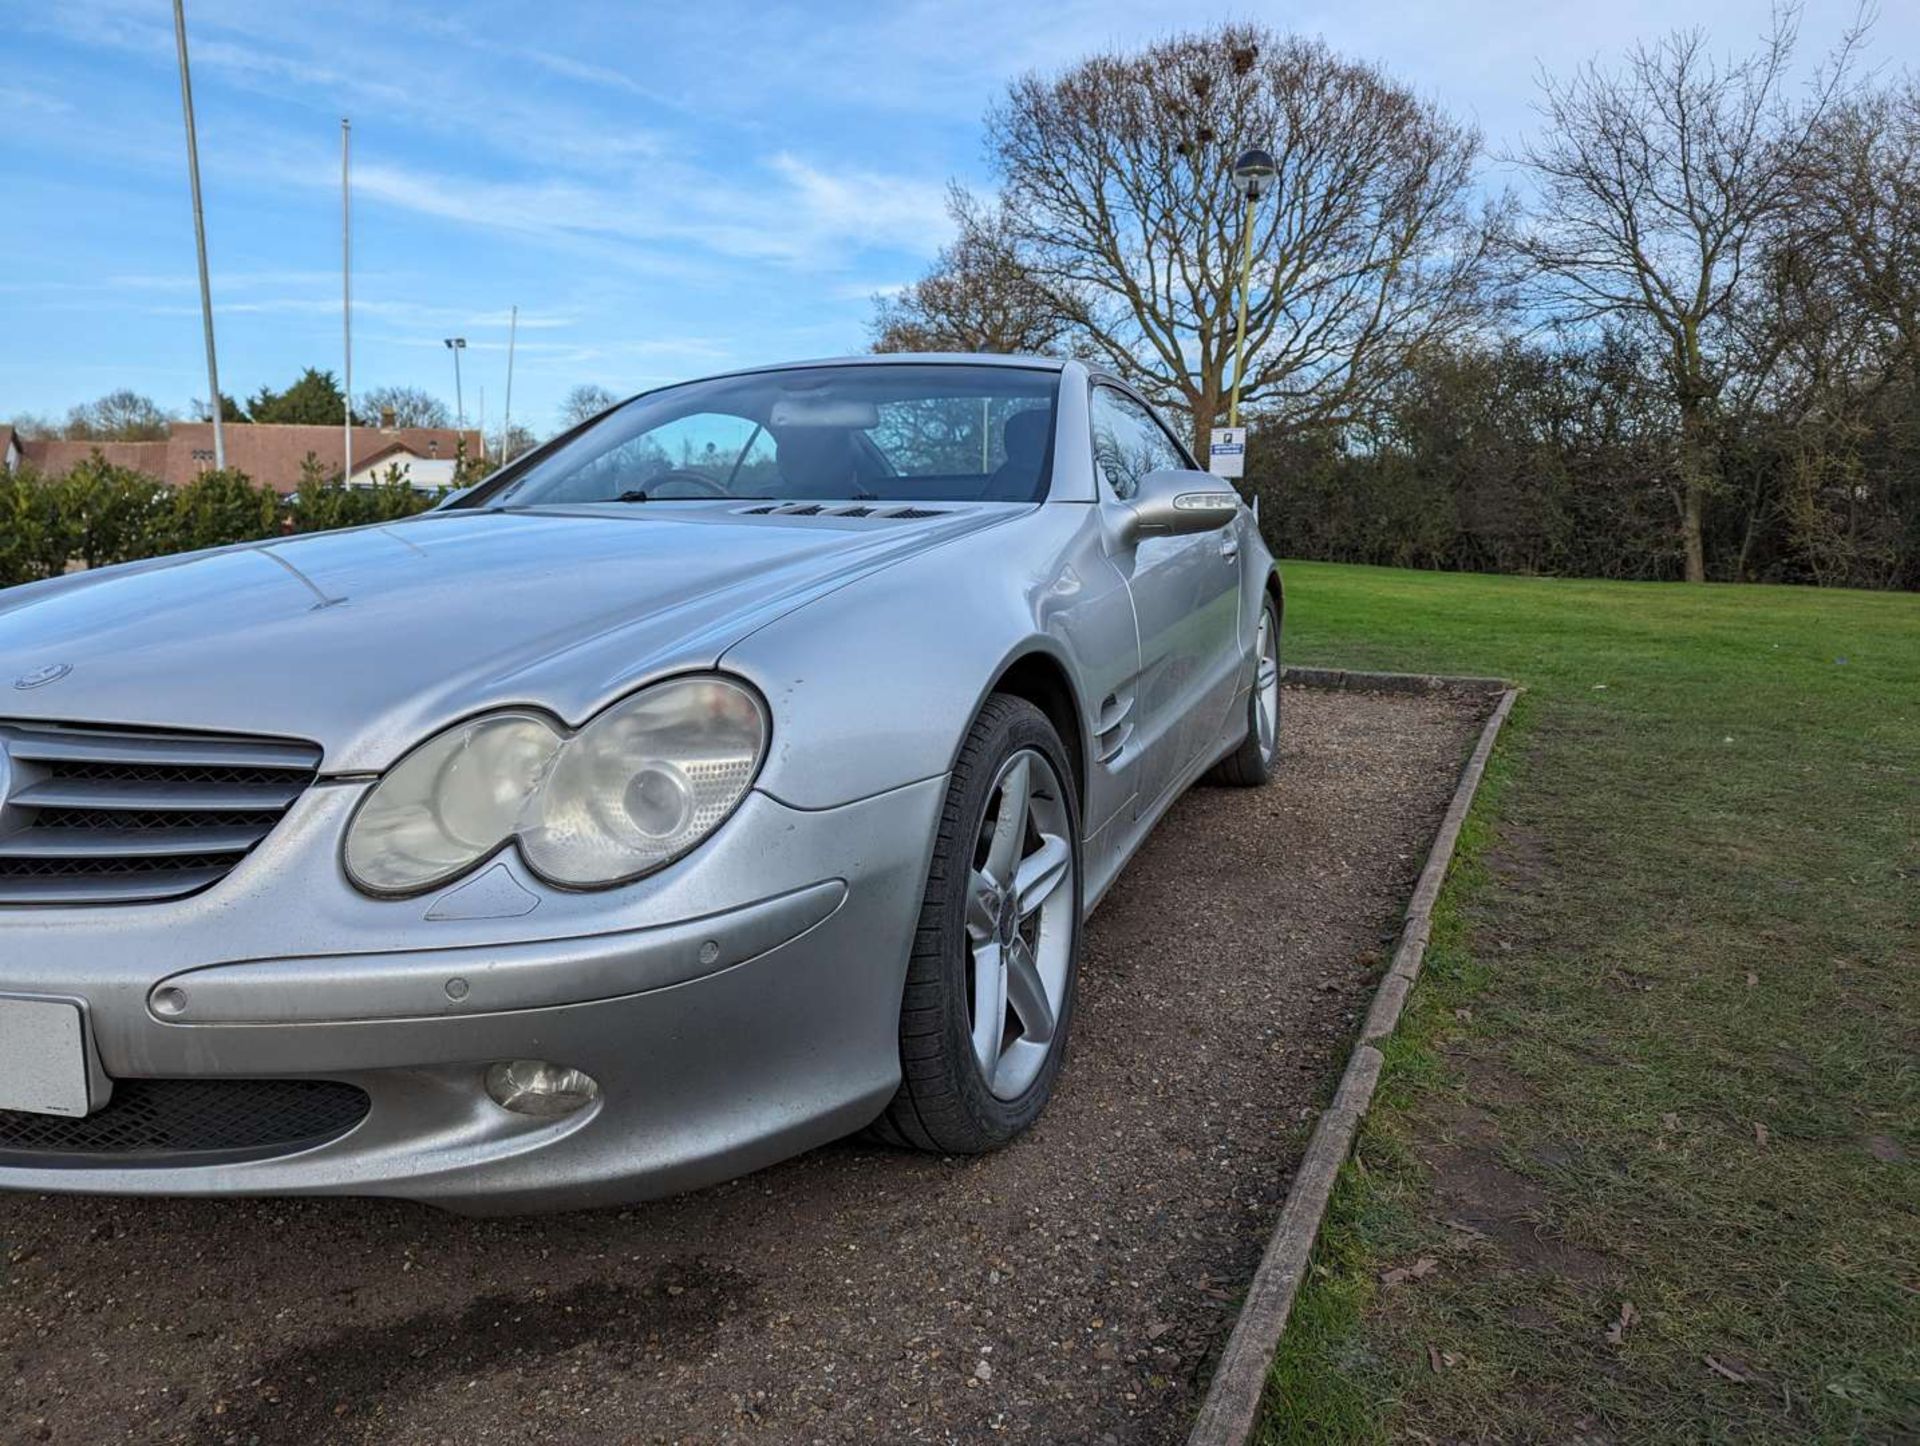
pixel 640 494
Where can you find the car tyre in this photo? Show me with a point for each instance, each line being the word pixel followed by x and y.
pixel 1254 761
pixel 990 985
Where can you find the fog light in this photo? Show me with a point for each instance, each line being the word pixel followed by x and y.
pixel 534 1087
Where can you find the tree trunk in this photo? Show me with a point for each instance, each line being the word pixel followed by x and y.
pixel 1693 483
pixel 1206 410
pixel 1690 527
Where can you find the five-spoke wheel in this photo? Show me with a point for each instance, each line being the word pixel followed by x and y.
pixel 1266 684
pixel 1252 763
pixel 989 992
pixel 1020 896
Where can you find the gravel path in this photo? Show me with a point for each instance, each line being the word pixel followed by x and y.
pixel 1067 1289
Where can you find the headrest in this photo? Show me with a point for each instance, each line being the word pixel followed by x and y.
pixel 1025 435
pixel 817 461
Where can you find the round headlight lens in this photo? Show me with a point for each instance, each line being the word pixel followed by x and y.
pixel 645 781
pixel 449 803
pixel 636 788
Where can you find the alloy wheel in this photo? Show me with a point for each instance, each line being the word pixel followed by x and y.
pixel 1266 685
pixel 1020 923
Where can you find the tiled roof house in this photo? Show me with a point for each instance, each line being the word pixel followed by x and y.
pixel 267 453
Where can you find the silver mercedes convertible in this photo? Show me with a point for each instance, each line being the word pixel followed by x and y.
pixel 729 775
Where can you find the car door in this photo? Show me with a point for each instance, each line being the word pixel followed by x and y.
pixel 1186 593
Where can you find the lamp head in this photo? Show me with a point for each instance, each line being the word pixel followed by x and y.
pixel 1254 173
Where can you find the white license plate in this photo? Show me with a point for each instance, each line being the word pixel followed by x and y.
pixel 43 1057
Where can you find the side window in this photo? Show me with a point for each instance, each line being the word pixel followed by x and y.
pixel 1128 443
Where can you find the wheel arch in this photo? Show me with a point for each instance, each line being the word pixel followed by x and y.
pixel 1277 590
pixel 1040 678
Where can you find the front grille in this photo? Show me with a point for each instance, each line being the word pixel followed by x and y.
pixel 188 1122
pixel 112 816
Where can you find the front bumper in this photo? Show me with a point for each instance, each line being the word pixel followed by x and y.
pixel 736 1008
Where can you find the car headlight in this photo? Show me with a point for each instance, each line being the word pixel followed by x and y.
pixel 633 790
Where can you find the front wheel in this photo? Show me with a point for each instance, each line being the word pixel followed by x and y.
pixel 1252 763
pixel 990 985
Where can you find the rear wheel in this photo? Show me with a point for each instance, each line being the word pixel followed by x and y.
pixel 990 985
pixel 1251 764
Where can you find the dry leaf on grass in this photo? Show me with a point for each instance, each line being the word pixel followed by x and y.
pixel 1401 1274
pixel 1617 1332
pixel 1753 980
pixel 1885 1149
pixel 1760 1135
pixel 1732 1373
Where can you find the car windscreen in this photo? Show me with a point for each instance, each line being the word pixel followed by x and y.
pixel 886 432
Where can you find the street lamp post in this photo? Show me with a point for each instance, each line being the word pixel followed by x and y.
pixel 1253 176
pixel 456 345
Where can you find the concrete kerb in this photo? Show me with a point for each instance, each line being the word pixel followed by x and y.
pixel 1230 1412
pixel 1358 682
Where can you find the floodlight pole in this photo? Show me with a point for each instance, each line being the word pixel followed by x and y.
pixel 200 236
pixel 346 295
pixel 456 345
pixel 506 422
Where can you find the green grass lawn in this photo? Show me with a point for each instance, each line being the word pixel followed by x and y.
pixel 1666 1051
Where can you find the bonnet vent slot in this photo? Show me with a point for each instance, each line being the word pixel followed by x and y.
pixel 885 512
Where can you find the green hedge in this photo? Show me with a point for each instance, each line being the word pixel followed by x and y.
pixel 99 514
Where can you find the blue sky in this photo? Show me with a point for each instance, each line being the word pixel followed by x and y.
pixel 664 189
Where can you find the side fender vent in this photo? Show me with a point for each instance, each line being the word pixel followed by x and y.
pixel 1114 728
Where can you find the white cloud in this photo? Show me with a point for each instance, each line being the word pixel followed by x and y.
pixel 415 313
pixel 798 214
pixel 18 97
pixel 890 211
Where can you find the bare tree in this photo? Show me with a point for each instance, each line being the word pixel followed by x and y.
pixel 978 295
pixel 33 426
pixel 507 443
pixel 1116 183
pixel 1658 185
pixel 1854 226
pixel 583 403
pixel 1832 333
pixel 410 406
pixel 122 416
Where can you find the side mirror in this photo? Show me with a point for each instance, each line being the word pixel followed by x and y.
pixel 1176 504
pixel 451 498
